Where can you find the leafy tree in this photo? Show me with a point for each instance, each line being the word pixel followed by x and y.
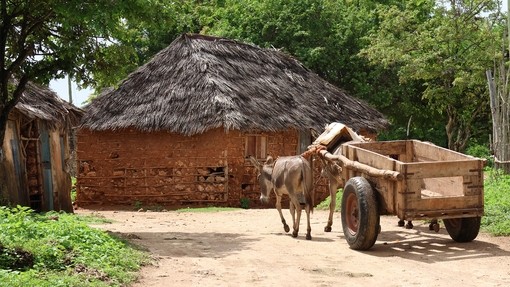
pixel 327 36
pixel 144 31
pixel 320 33
pixel 446 45
pixel 43 40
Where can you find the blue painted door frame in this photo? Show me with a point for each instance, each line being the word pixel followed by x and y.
pixel 46 165
pixel 19 167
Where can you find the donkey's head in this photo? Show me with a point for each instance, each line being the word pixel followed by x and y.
pixel 265 170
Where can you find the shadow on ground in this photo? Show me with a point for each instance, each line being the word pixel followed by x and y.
pixel 421 244
pixel 193 244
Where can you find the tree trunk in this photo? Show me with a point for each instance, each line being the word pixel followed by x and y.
pixel 500 109
pixel 457 133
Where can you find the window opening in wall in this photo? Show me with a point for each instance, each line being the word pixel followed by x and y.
pixel 305 140
pixel 256 146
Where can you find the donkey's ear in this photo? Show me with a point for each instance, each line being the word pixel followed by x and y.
pixel 269 160
pixel 255 162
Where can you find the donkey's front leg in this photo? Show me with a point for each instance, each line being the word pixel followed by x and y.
pixel 279 208
pixel 333 187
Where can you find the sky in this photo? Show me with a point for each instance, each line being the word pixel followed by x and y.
pixel 61 88
pixel 79 96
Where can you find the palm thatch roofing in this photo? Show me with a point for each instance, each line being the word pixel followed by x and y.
pixel 202 82
pixel 38 102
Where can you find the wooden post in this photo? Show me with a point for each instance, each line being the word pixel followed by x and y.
pixel 500 105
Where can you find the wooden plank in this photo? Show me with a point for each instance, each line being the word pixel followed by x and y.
pixel 442 213
pixel 443 169
pixel 384 148
pixel 433 203
pixel 436 153
pixel 409 153
pixel 443 186
pixel 386 188
pixel 374 159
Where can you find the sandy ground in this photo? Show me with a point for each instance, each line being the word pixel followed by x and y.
pixel 250 248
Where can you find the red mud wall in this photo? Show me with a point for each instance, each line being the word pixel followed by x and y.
pixel 162 169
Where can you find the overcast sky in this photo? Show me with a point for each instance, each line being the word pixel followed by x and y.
pixel 61 88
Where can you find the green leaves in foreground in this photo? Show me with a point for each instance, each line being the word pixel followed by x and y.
pixel 59 249
pixel 497 204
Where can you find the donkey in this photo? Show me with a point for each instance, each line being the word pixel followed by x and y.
pixel 332 172
pixel 291 175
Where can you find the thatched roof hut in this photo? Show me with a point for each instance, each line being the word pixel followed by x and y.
pixel 179 129
pixel 199 83
pixel 37 150
pixel 38 102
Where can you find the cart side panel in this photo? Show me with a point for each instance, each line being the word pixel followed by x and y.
pixel 373 159
pixel 438 183
pixel 442 169
pixel 424 151
pixel 443 189
pixel 453 207
pixel 391 149
pixel 385 188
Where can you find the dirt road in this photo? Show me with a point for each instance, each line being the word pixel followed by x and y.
pixel 250 248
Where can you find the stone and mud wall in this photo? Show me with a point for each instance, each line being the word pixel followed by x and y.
pixel 128 167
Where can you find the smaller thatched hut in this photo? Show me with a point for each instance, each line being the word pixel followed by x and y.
pixel 37 156
pixel 179 129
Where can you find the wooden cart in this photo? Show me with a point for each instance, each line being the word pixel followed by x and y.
pixel 413 180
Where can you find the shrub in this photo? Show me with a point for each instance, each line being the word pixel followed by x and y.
pixel 60 249
pixel 481 151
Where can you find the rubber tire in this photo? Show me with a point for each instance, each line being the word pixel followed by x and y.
pixel 357 191
pixel 463 229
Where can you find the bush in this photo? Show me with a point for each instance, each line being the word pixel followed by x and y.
pixel 245 203
pixel 55 249
pixel 497 203
pixel 481 151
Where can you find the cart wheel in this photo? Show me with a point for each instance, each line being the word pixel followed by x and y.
pixel 462 229
pixel 360 215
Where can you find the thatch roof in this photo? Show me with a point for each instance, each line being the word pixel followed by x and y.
pixel 38 102
pixel 201 82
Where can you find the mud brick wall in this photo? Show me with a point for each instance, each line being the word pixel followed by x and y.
pixel 128 167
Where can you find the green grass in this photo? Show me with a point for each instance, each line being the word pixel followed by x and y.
pixel 324 205
pixel 93 219
pixel 73 189
pixel 496 220
pixel 208 209
pixel 59 249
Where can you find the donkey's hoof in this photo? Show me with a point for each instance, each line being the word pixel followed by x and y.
pixel 294 234
pixel 409 225
pixel 327 229
pixel 435 227
pixel 308 237
pixel 286 228
pixel 401 223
